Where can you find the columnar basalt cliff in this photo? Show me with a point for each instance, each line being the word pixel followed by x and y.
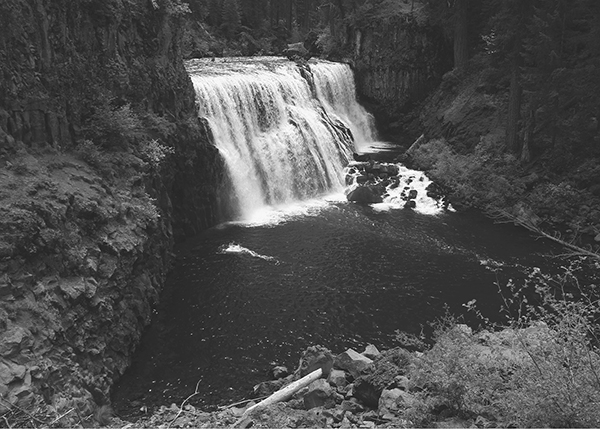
pixel 398 60
pixel 98 134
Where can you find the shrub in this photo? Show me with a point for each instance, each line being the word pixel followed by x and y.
pixel 543 370
pixel 87 151
pixel 154 152
pixel 486 178
pixel 114 126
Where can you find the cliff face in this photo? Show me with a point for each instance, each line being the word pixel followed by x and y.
pixel 102 164
pixel 398 60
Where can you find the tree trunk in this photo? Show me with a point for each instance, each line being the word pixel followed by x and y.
pixel 514 108
pixel 285 393
pixel 528 138
pixel 461 35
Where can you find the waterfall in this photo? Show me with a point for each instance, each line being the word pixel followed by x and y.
pixel 336 90
pixel 285 133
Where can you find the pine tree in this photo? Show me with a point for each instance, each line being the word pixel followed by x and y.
pixel 461 34
pixel 561 51
pixel 508 21
pixel 214 12
pixel 231 17
pixel 456 17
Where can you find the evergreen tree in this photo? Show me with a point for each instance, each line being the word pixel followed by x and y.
pixel 561 52
pixel 458 19
pixel 461 34
pixel 231 17
pixel 214 12
pixel 507 28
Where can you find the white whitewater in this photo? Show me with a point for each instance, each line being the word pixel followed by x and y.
pixel 395 198
pixel 233 248
pixel 337 91
pixel 283 141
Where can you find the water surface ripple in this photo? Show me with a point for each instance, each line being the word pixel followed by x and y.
pixel 242 298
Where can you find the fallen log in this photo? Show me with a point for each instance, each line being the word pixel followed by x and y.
pixel 284 394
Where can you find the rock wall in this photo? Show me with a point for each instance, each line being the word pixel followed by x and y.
pixel 397 62
pixel 85 246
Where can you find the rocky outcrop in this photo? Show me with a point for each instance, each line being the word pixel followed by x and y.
pixel 81 269
pixel 89 213
pixel 371 182
pixel 323 403
pixel 465 379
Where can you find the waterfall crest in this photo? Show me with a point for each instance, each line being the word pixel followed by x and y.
pixel 282 138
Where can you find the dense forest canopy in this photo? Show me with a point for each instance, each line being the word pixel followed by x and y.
pixel 551 50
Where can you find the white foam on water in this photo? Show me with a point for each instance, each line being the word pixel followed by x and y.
pixel 233 248
pixel 395 197
pixel 271 216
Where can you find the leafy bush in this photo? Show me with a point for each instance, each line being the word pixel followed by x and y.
pixel 142 208
pixel 541 371
pixel 555 199
pixel 486 178
pixel 114 126
pixel 154 152
pixel 87 151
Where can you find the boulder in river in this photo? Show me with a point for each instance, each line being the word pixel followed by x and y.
pixel 364 195
pixel 361 157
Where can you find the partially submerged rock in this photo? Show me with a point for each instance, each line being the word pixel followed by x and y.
pixel 365 195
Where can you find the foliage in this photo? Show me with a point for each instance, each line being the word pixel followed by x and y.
pixel 143 208
pixel 155 152
pixel 110 129
pixel 231 17
pixel 87 151
pixel 372 14
pixel 177 8
pixel 487 178
pixel 113 126
pixel 540 371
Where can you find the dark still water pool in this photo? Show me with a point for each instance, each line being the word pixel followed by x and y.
pixel 243 297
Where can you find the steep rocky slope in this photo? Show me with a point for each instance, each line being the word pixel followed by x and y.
pixel 98 134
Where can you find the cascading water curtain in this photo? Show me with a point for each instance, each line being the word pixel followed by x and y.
pixel 280 143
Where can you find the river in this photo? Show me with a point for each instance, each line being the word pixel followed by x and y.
pixel 300 265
